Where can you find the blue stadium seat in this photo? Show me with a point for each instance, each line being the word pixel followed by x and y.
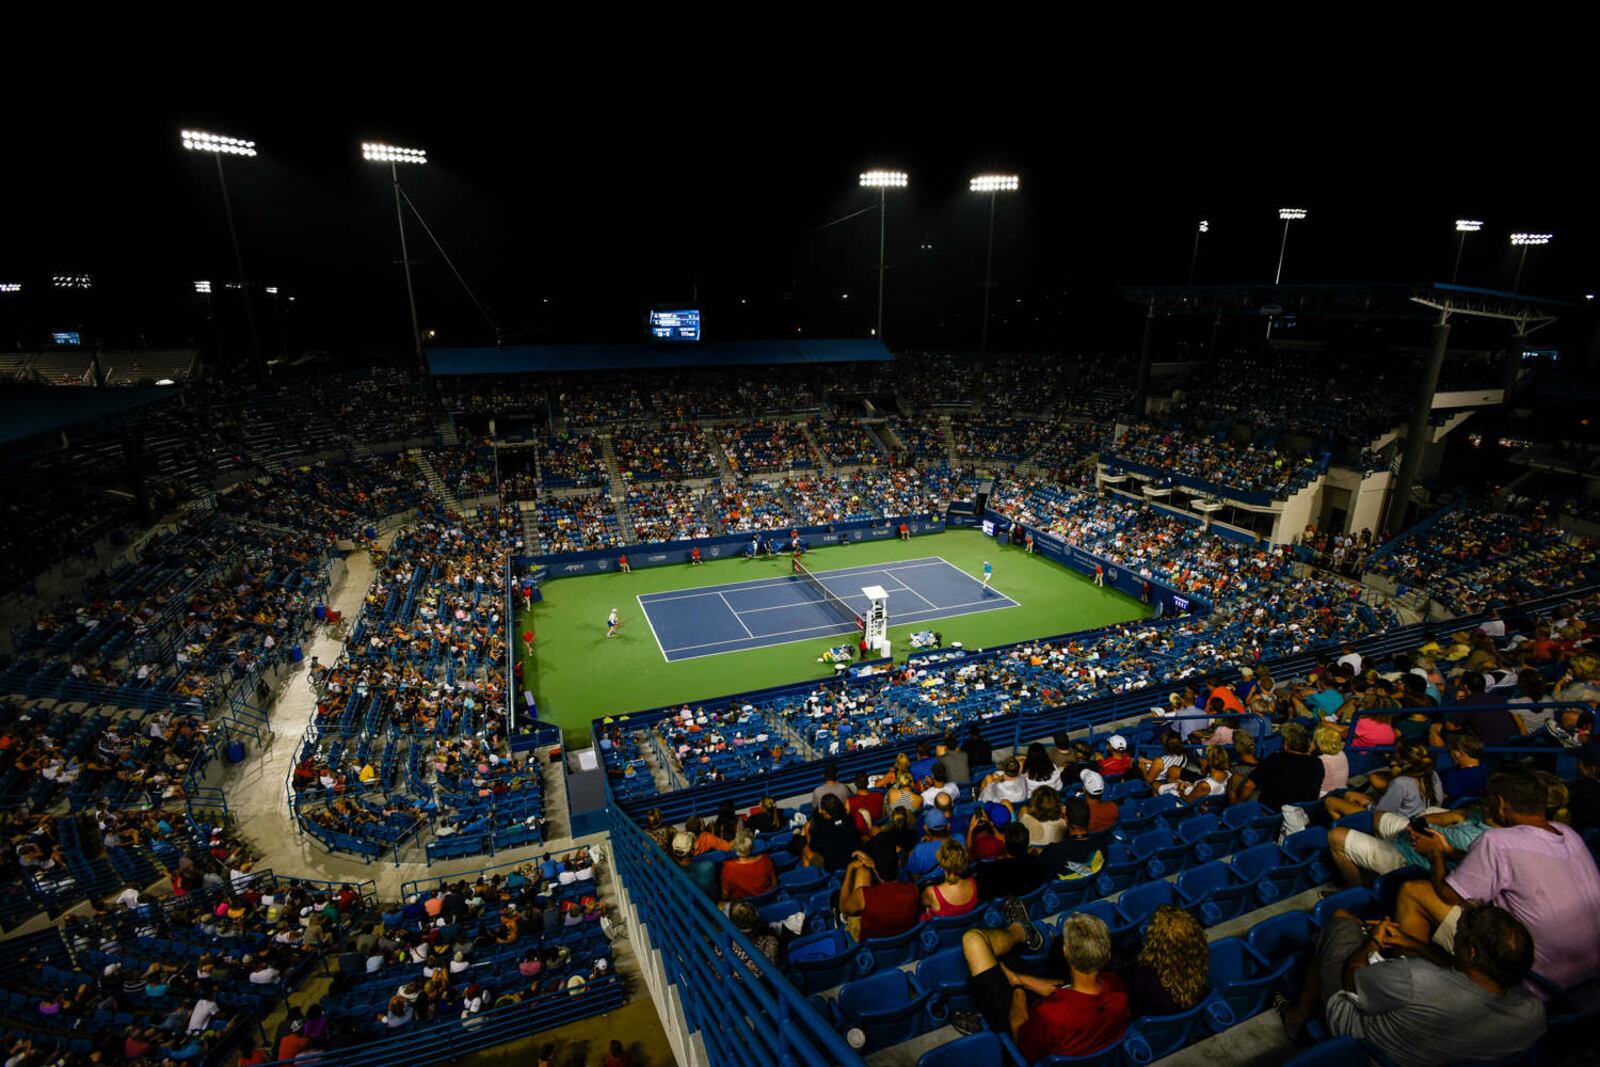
pixel 822 960
pixel 1282 937
pixel 1243 979
pixel 1063 895
pixel 803 880
pixel 1137 905
pixel 1387 886
pixel 1153 1036
pixel 1113 1055
pixel 1311 844
pixel 889 1007
pixel 945 975
pixel 1274 873
pixel 942 933
pixel 975 1050
pixel 1162 851
pixel 1358 901
pixel 1254 822
pixel 1214 892
pixel 1122 869
pixel 883 953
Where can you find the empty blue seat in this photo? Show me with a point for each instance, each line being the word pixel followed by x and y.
pixel 1243 979
pixel 975 1050
pixel 1311 844
pixel 822 960
pixel 1139 903
pixel 1254 822
pixel 941 933
pixel 883 953
pixel 1063 895
pixel 888 1008
pixel 1273 872
pixel 1162 851
pixel 945 974
pixel 1153 1036
pixel 1110 1056
pixel 1121 870
pixel 803 880
pixel 1214 893
pixel 1282 937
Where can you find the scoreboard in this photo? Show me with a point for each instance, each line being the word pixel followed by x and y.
pixel 682 325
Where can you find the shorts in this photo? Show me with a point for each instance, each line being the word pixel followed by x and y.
pixel 1377 853
pixel 1445 935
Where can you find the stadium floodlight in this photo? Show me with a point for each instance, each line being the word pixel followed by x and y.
pixel 990 184
pixel 200 141
pixel 883 181
pixel 219 146
pixel 1288 215
pixel 1525 241
pixel 10 287
pixel 202 287
pixel 994 183
pixel 377 152
pixel 1194 257
pixel 72 281
pixel 1463 227
pixel 272 290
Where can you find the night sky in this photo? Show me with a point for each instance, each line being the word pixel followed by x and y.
pixel 571 215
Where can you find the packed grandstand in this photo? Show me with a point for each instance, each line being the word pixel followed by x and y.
pixel 1129 834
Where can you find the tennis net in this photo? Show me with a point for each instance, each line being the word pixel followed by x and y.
pixel 829 598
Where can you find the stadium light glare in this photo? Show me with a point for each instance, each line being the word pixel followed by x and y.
pixel 1468 225
pixel 200 141
pixel 72 281
pixel 884 179
pixel 994 183
pixel 1291 214
pixel 1531 238
pixel 10 287
pixel 202 287
pixel 272 290
pixel 1205 227
pixel 378 152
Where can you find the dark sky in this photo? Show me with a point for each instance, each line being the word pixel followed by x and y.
pixel 570 212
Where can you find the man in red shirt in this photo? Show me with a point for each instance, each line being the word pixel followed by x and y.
pixel 1073 1018
pixel 878 905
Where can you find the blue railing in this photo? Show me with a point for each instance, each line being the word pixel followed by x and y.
pixel 744 1009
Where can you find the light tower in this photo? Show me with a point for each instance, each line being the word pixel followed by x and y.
pixel 990 184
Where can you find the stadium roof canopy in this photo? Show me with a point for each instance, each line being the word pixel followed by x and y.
pixel 527 359
pixel 1381 300
pixel 28 411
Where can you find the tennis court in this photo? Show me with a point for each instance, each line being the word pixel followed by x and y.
pixel 737 616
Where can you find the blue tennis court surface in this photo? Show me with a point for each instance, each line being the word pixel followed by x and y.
pixel 689 623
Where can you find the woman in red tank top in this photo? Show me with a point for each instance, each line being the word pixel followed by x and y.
pixel 958 893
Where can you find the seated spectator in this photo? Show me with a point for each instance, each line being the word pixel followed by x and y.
pixel 1467 774
pixel 1539 871
pixel 747 875
pixel 1016 874
pixel 831 835
pixel 1172 971
pixel 1005 784
pixel 1103 813
pixel 874 903
pixel 1116 761
pixel 1419 1006
pixel 957 894
pixel 1335 764
pixel 1291 775
pixel 1214 783
pixel 702 873
pixel 1041 815
pixel 984 840
pixel 1392 844
pixel 1411 787
pixel 924 856
pixel 1082 1014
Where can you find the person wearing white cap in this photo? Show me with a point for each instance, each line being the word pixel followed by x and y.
pixel 611 623
pixel 1103 813
pixel 1116 761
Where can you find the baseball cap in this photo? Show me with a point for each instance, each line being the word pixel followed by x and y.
pixel 936 820
pixel 683 844
pixel 1117 743
pixel 1093 783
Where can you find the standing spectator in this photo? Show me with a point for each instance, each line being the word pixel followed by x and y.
pixel 830 784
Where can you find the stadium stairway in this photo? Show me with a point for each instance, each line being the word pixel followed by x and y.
pixel 617 490
pixel 447 430
pixel 821 458
pixel 435 482
pixel 949 443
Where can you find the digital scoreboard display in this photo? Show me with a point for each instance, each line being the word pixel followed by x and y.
pixel 66 337
pixel 683 325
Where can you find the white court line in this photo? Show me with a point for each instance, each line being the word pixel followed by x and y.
pixel 767 583
pixel 988 605
pixel 735 615
pixel 644 611
pixel 975 579
pixel 913 592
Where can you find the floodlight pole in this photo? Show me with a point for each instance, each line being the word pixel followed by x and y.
pixel 1461 246
pixel 238 265
pixel 1522 261
pixel 405 260
pixel 988 272
pixel 883 209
